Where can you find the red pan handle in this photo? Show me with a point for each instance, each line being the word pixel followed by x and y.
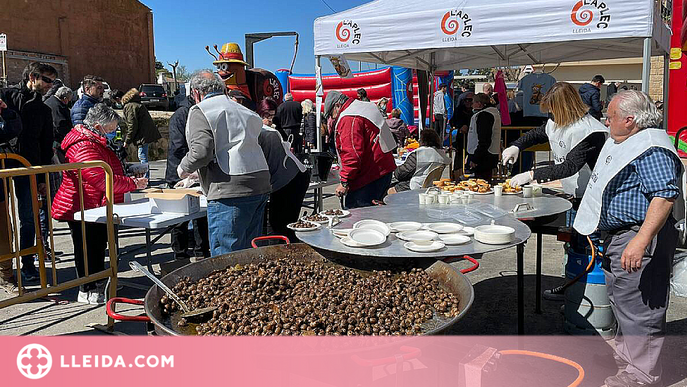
pixel 269 237
pixel 110 307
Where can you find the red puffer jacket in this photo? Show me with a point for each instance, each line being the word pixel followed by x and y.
pixel 80 144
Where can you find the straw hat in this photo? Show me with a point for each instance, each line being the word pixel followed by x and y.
pixel 230 53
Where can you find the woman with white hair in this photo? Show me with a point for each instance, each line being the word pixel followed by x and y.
pixel 88 142
pixel 309 124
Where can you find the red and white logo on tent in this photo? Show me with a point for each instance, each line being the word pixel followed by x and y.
pixel 455 24
pixel 348 32
pixel 585 11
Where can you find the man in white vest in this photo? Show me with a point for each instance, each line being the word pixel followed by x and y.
pixel 629 199
pixel 223 146
pixel 484 137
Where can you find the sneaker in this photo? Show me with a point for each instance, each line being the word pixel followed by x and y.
pixel 9 285
pixel 83 296
pixel 96 297
pixel 626 379
pixel 30 275
pixel 555 294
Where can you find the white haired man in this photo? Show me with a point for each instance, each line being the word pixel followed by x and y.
pixel 629 199
pixel 223 146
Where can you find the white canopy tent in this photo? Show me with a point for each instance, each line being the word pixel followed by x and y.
pixel 458 34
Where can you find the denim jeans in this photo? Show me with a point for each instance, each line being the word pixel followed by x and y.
pixel 233 223
pixel 143 157
pixel 27 231
pixel 363 197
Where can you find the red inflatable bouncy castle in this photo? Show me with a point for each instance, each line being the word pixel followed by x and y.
pixel 377 83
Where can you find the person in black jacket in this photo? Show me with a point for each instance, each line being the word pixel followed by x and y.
pixel 309 125
pixel 288 121
pixel 591 96
pixel 61 119
pixel 176 151
pixel 10 127
pixel 34 144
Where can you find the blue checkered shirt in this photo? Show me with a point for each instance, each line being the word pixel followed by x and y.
pixel 655 173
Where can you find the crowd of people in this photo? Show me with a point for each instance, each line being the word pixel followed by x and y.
pixel 248 157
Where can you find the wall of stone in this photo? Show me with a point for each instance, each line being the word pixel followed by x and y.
pixel 109 38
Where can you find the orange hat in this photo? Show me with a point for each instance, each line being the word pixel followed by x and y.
pixel 230 53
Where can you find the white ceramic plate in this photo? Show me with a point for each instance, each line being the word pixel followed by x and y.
pixel 454 239
pixel 417 235
pixel 342 232
pixel 317 225
pixel 405 226
pixel 436 245
pixel 350 242
pixel 373 225
pixel 444 227
pixel 367 237
pixel 345 213
pixel 491 191
pixel 467 231
pixel 511 193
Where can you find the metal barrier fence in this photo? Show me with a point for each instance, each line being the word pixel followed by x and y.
pixel 9 205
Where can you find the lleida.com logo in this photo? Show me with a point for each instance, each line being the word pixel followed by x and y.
pixel 584 12
pixel 348 33
pixel 456 24
pixel 34 361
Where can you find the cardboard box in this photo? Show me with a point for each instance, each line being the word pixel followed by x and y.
pixel 179 201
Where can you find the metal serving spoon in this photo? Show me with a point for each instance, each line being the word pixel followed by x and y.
pixel 197 314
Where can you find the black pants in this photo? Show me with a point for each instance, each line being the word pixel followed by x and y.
pixel 297 143
pixel 96 243
pixel 181 237
pixel 440 125
pixel 285 205
pixel 485 168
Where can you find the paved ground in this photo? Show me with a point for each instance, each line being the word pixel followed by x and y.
pixel 493 312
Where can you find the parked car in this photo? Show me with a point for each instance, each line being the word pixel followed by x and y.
pixel 107 92
pixel 153 96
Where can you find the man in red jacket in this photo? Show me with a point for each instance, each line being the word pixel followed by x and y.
pixel 364 143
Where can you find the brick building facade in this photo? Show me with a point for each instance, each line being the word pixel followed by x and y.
pixel 109 38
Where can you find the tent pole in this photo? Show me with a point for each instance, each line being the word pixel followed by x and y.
pixel 646 65
pixel 319 92
pixel 432 67
pixel 666 84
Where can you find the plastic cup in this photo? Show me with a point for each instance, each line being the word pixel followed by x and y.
pixel 443 199
pixel 498 190
pixel 527 191
pixel 536 190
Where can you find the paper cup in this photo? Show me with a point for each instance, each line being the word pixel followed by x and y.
pixel 443 199
pixel 498 190
pixel 527 191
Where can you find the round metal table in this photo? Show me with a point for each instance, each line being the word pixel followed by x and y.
pixel 323 239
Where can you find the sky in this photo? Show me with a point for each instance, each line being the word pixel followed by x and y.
pixel 184 28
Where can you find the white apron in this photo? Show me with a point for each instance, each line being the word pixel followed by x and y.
pixel 612 159
pixel 287 149
pixel 563 140
pixel 236 130
pixel 473 138
pixel 369 110
pixel 427 158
